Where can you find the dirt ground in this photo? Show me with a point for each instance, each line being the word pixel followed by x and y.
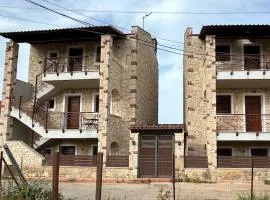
pixel 184 191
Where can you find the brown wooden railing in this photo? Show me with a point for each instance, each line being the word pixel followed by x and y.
pixel 196 162
pixel 243 123
pixel 243 162
pixel 73 160
pixel 70 64
pixel 247 62
pixel 117 161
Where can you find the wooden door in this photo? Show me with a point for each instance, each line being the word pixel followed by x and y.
pixel 252 57
pixel 253 113
pixel 75 59
pixel 73 115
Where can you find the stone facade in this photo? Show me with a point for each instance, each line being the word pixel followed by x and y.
pixel 200 97
pixel 126 66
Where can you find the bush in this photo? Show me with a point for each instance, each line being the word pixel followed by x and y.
pixel 248 197
pixel 32 191
pixel 267 182
pixel 164 195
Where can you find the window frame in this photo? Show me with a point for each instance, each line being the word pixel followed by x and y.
pixel 232 104
pixel 53 51
pixel 255 147
pixel 225 147
pixel 94 103
pixel 67 145
pixel 96 54
pixel 230 52
pixel 54 105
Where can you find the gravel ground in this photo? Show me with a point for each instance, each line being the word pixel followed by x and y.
pixel 184 191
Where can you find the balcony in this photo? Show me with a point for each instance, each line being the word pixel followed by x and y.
pixel 71 72
pixel 235 72
pixel 243 127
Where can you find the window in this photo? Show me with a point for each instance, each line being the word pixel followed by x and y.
pixel 114 149
pixel 224 152
pixel 94 150
pixel 96 103
pixel 259 152
pixel 98 53
pixel 47 151
pixel 53 55
pixel 223 53
pixel 115 102
pixel 51 104
pixel 67 150
pixel 224 104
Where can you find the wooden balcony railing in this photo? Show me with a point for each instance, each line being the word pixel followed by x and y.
pixel 243 123
pixel 70 64
pixel 196 162
pixel 73 160
pixel 243 162
pixel 247 62
pixel 117 161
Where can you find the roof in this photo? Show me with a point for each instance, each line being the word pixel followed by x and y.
pixel 64 34
pixel 158 127
pixel 238 30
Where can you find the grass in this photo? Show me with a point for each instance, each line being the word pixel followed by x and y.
pixel 33 191
pixel 255 197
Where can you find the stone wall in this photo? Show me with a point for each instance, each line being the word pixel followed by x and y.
pixel 200 97
pixel 38 52
pixel 9 90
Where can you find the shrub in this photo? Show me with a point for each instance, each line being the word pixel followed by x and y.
pixel 32 191
pixel 164 195
pixel 255 197
pixel 267 182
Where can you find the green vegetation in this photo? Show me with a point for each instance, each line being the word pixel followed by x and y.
pixel 164 195
pixel 255 197
pixel 32 191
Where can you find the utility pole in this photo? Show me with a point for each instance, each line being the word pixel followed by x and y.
pixel 145 16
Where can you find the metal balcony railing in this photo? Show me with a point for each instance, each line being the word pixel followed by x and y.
pixel 70 64
pixel 243 123
pixel 247 62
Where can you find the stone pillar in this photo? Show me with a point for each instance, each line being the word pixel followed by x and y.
pixel 8 94
pixel 133 154
pixel 211 106
pixel 104 93
pixel 179 152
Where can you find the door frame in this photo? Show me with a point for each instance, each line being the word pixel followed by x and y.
pixel 248 43
pixel 65 105
pixel 156 151
pixel 262 96
pixel 75 47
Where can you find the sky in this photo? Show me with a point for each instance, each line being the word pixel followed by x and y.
pixel 168 26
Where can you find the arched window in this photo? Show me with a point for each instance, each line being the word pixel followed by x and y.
pixel 114 149
pixel 115 103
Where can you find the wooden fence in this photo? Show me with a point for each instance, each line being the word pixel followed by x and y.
pixel 73 160
pixel 117 161
pixel 243 162
pixel 196 162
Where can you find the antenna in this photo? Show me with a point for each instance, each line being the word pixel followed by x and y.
pixel 145 16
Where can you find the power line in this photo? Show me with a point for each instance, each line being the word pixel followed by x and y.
pixel 148 11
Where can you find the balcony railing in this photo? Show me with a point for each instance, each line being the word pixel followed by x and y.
pixel 117 161
pixel 196 162
pixel 72 120
pixel 70 64
pixel 247 62
pixel 243 162
pixel 243 123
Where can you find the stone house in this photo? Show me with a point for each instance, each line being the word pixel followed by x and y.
pixel 226 92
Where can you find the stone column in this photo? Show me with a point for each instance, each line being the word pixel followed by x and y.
pixel 8 94
pixel 211 106
pixel 179 152
pixel 133 154
pixel 104 93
